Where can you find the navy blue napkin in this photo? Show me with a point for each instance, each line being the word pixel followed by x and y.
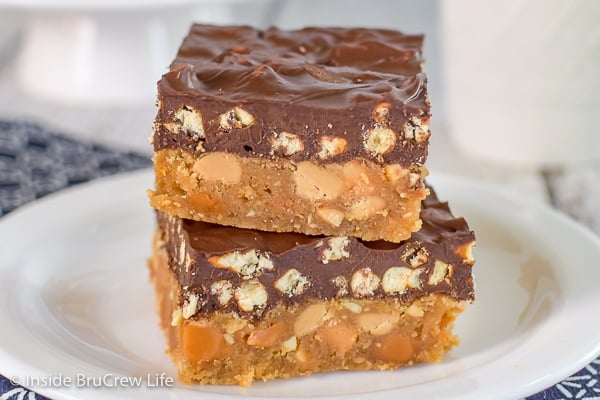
pixel 35 162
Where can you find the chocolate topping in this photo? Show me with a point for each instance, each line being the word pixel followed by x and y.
pixel 440 239
pixel 310 82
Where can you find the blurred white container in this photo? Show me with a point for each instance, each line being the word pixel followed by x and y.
pixel 10 25
pixel 104 52
pixel 522 79
pixel 98 56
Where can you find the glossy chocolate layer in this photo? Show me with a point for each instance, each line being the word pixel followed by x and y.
pixel 310 82
pixel 191 246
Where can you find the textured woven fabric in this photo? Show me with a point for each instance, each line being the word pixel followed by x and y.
pixel 35 162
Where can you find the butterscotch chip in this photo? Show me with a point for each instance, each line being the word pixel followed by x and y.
pixel 203 202
pixel 395 348
pixel 202 341
pixel 339 338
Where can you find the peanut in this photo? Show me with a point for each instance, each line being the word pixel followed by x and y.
pixel 377 323
pixel 315 182
pixel 289 345
pixel 219 167
pixel 310 319
pixel 267 337
pixel 352 307
pixel 366 207
pixel 332 216
pixel 356 175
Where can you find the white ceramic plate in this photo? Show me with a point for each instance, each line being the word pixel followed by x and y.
pixel 76 302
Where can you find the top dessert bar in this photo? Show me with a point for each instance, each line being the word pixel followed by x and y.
pixel 318 131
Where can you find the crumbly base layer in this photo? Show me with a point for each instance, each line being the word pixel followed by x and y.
pixel 355 198
pixel 319 336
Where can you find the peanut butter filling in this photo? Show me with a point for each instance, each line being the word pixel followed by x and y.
pixel 354 198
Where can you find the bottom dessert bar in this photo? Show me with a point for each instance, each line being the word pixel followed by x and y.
pixel 242 305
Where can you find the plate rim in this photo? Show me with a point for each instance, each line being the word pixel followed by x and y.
pixel 504 193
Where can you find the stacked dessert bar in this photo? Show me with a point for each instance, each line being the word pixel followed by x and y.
pixel 295 231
